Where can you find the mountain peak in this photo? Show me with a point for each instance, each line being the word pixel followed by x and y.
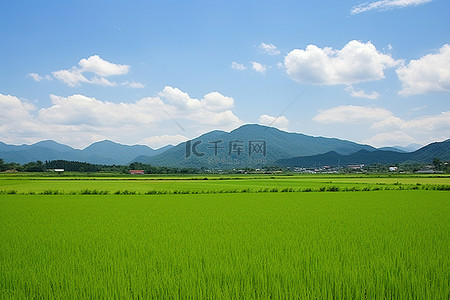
pixel 252 126
pixel 234 149
pixel 51 144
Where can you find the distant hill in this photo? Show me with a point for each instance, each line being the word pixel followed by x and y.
pixel 250 145
pixel 395 149
pixel 425 154
pixel 409 148
pixel 104 152
pixel 243 147
pixel 49 144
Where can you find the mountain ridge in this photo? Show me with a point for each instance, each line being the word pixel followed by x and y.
pixel 425 154
pixel 219 148
pixel 250 145
pixel 102 152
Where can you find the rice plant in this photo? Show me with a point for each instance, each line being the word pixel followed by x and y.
pixel 339 245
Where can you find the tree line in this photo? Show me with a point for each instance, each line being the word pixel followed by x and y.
pixel 84 167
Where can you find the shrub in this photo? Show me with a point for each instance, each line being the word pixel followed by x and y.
pixel 333 188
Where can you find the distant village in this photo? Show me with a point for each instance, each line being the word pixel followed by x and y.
pixel 61 166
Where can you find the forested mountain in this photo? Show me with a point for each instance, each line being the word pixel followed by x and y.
pixel 104 152
pixel 248 146
pixel 427 154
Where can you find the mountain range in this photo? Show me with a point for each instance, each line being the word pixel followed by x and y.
pixel 103 152
pixel 250 145
pixel 425 154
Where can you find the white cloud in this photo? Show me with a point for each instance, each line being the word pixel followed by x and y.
pixel 280 122
pixel 392 138
pixel 418 108
pixel 431 73
pixel 270 49
pixel 13 108
pixel 237 66
pixel 16 119
pixel 260 68
pixel 133 84
pixel 98 68
pixel 385 5
pixel 388 123
pixel 217 102
pixel 355 62
pixel 74 77
pixel 390 129
pixel 78 120
pixel 361 93
pixel 159 141
pixel 36 77
pixel 428 123
pixel 352 114
pixel 71 77
pixel 179 98
pixel 82 110
pixel 102 81
pixel 101 67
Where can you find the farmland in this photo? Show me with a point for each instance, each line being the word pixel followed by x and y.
pixel 225 237
pixel 154 184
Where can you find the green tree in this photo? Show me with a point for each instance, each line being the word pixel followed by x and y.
pixel 437 164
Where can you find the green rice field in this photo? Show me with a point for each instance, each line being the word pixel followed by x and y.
pixel 226 238
pixel 150 184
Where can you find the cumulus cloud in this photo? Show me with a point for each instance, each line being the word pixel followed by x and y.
pixel 352 114
pixel 258 67
pixel 159 141
pixel 217 102
pixel 361 94
pixel 101 67
pixel 270 49
pixel 79 120
pixel 36 77
pixel 102 81
pixel 429 123
pixel 132 84
pixel 98 69
pixel 16 119
pixel 14 108
pixel 237 66
pixel 431 73
pixel 280 122
pixel 393 138
pixel 82 110
pixel 355 62
pixel 385 5
pixel 178 98
pixel 72 77
pixel 389 129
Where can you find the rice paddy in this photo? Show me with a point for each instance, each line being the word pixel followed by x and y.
pixel 385 243
pixel 214 184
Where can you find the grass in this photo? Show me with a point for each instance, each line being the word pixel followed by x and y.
pixel 214 184
pixel 385 244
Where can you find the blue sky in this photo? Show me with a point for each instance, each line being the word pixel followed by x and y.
pixel 160 72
